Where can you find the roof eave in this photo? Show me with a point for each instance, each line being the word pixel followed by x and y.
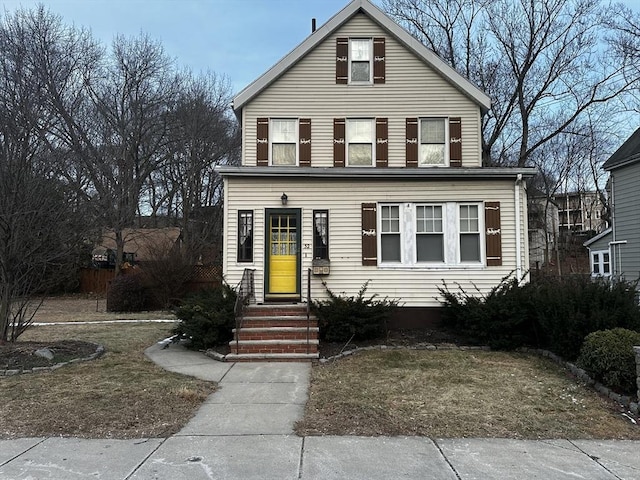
pixel 377 173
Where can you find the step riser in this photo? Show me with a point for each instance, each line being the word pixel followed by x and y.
pixel 276 336
pixel 278 322
pixel 271 312
pixel 274 349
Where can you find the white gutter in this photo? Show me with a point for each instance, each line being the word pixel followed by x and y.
pixel 516 194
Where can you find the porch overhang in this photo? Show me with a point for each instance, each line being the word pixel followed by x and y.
pixel 374 173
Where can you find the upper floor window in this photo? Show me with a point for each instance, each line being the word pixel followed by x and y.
pixel 360 60
pixel 433 144
pixel 360 139
pixel 284 141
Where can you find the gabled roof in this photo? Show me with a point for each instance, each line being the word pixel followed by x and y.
pixel 598 237
pixel 629 152
pixel 385 22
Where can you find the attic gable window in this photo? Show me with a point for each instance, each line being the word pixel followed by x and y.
pixel 360 60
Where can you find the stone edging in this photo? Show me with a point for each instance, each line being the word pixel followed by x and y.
pixel 624 400
pixel 11 372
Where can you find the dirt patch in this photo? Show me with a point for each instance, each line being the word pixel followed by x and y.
pixel 22 355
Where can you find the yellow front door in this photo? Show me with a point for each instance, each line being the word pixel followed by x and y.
pixel 283 254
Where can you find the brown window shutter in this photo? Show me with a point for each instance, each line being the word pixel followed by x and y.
pixel 262 143
pixel 493 234
pixel 369 235
pixel 378 60
pixel 338 142
pixel 304 130
pixel 382 142
pixel 455 142
pixel 412 142
pixel 342 60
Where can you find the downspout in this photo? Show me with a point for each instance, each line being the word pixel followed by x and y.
pixel 516 195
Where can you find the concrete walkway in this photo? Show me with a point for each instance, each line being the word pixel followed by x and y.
pixel 245 431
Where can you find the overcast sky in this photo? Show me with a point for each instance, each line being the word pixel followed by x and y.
pixel 238 38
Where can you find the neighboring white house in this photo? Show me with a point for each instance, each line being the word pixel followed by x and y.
pixel 616 251
pixel 361 161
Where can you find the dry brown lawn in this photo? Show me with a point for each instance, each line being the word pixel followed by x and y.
pixel 120 395
pixel 456 393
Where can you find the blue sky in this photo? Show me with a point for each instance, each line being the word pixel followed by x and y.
pixel 239 38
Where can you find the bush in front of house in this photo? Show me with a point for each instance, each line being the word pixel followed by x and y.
pixel 501 319
pixel 207 317
pixel 608 357
pixel 342 318
pixel 127 293
pixel 553 313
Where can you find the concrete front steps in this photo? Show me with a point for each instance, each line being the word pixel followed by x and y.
pixel 275 332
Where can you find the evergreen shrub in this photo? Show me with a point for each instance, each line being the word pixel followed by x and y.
pixel 207 317
pixel 342 318
pixel 608 357
pixel 552 313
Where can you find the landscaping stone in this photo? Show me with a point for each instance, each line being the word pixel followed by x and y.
pixel 44 353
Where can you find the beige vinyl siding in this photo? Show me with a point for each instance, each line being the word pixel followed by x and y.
pixel 412 89
pixel 343 199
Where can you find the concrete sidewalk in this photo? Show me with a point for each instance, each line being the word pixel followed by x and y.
pixel 245 431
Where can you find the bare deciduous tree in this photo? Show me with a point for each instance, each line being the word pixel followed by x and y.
pixel 545 63
pixel 40 227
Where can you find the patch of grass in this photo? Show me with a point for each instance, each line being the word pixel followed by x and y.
pixel 455 394
pixel 120 395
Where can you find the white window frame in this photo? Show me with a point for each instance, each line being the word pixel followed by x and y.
pixel 372 140
pixel 369 40
pixel 481 230
pixel 445 160
pixel 450 232
pixel 443 233
pixel 296 141
pixel 401 232
pixel 599 255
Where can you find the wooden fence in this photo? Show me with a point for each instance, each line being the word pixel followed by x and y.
pixel 96 280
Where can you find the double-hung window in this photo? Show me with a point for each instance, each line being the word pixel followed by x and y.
pixel 600 264
pixel 284 141
pixel 469 229
pixel 429 233
pixel 433 145
pixel 245 236
pixel 390 237
pixel 360 140
pixel 360 59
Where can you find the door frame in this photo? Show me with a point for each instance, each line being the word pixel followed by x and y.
pixel 269 212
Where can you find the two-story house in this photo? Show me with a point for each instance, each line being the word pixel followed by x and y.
pixel 616 251
pixel 361 161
